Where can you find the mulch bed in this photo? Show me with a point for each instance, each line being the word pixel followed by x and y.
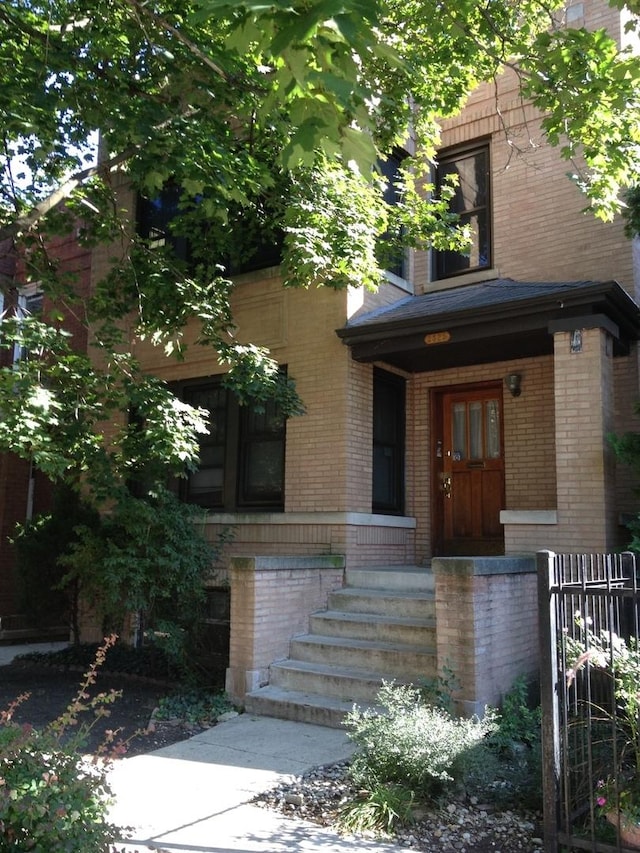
pixel 51 690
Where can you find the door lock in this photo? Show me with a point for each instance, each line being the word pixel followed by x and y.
pixel 446 486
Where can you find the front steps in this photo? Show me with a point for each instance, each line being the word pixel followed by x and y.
pixel 379 627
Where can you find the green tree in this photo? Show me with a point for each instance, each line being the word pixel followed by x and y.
pixel 272 114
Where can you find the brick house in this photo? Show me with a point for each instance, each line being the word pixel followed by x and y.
pixel 456 423
pixel 24 491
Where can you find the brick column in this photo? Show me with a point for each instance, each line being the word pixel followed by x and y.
pixel 584 410
pixel 486 625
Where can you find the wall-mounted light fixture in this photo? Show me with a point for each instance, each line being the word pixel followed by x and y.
pixel 513 381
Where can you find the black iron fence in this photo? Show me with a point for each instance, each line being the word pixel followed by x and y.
pixel 590 689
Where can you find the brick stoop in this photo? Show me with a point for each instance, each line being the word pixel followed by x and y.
pixel 379 627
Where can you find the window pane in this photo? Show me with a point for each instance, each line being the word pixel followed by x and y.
pixel 471 202
pixel 475 431
pixel 388 443
pixel 261 458
pixel 459 436
pixel 264 472
pixel 492 427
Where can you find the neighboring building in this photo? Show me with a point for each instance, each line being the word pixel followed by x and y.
pixel 24 491
pixel 462 411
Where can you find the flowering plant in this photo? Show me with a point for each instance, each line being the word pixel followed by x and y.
pixel 620 659
pixel 611 798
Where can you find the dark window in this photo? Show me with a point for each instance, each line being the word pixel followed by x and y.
pixel 154 221
pixel 388 442
pixel 247 244
pixel 242 458
pixel 472 203
pixel 391 254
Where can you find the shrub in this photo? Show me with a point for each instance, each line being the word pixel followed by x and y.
pixel 194 706
pixel 423 748
pixel 377 811
pixel 52 799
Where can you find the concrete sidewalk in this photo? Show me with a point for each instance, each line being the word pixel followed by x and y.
pixel 194 796
pixel 11 650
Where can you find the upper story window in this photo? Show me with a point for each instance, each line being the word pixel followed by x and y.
pixel 245 247
pixel 29 304
pixel 242 458
pixel 472 202
pixel 392 256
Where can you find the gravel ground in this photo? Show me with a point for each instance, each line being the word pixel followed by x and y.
pixel 458 826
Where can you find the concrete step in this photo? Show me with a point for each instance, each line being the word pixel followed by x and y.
pixel 398 578
pixel 402 660
pixel 414 605
pixel 368 626
pixel 379 627
pixel 273 701
pixel 348 684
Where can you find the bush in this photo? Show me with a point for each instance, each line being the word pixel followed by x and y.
pixel 424 749
pixel 377 811
pixel 52 799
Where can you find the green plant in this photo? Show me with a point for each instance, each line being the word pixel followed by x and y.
pixel 518 722
pixel 377 811
pixel 51 798
pixel 618 659
pixel 148 556
pixel 194 706
pixel 422 748
pixel 439 690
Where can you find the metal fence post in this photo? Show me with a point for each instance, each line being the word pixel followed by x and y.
pixel 545 561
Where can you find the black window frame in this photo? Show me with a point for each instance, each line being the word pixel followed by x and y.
pixel 394 261
pixel 153 221
pixel 448 264
pixel 233 442
pixel 388 411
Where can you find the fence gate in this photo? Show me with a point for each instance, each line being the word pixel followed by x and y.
pixel 588 614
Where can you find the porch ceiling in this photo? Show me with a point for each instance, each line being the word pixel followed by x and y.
pixel 491 321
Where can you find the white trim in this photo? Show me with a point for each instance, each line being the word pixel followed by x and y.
pixel 528 516
pixel 355 519
pixel 475 277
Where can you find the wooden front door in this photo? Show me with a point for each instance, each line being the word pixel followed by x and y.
pixel 470 479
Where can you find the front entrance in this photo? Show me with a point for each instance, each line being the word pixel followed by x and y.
pixel 469 471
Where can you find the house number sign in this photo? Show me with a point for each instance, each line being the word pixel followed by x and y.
pixel 437 338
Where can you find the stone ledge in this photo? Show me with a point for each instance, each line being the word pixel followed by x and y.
pixel 275 564
pixel 475 566
pixel 363 519
pixel 528 516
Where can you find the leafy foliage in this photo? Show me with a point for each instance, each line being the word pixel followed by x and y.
pixel 419 747
pixel 194 706
pixel 147 557
pixel 50 797
pixel 377 811
pixel 269 119
pixel 518 722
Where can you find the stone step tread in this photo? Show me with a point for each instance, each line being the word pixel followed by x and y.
pixel 335 671
pixel 422 595
pixel 347 616
pixel 299 697
pixel 368 645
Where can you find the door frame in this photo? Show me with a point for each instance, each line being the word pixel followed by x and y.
pixel 436 463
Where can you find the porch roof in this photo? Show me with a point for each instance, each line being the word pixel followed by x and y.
pixel 490 321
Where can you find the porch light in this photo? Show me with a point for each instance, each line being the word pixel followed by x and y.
pixel 513 382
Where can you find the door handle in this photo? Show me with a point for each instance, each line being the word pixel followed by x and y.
pixel 446 486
